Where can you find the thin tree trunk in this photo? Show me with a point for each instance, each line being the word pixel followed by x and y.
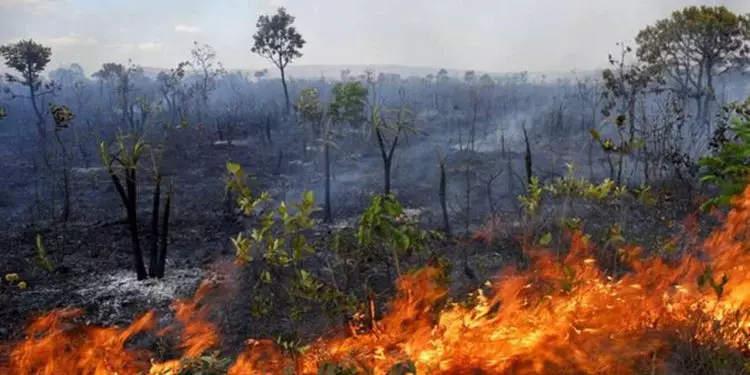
pixel 527 157
pixel 442 193
pixel 153 267
pixel 328 217
pixel 140 268
pixel 286 91
pixel 165 233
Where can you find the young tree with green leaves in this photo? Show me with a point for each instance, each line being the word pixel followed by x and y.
pixel 29 59
pixel 624 85
pixel 312 115
pixel 280 42
pixel 347 106
pixel 694 46
pixel 122 163
pixel 120 79
pixel 388 132
pixel 173 91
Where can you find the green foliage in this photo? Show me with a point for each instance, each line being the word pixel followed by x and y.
pixel 384 222
pixel 276 39
pixel 41 255
pixel 287 249
pixel 348 102
pixel 291 344
pixel 308 105
pixel 14 279
pixel 713 35
pixel 61 115
pixel 728 167
pixel 127 152
pixel 532 199
pixel 28 58
pixel 572 187
pixel 279 241
pixel 204 365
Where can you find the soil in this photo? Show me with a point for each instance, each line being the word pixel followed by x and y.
pixel 92 260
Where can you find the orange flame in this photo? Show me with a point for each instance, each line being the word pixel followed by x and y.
pixel 557 317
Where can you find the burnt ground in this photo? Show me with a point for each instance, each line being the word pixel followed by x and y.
pixel 91 253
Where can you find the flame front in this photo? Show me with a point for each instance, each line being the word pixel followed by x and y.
pixel 554 318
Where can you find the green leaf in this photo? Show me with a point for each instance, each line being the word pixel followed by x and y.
pixel 233 168
pixel 595 134
pixel 308 199
pixel 546 239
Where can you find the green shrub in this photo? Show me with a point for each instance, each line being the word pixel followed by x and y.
pixel 728 166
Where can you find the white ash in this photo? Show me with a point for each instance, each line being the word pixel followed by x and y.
pixel 111 294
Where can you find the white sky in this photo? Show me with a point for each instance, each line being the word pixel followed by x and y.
pixel 486 35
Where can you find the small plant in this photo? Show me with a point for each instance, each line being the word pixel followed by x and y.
pixel 707 279
pixel 41 255
pixel 279 241
pixel 14 279
pixel 204 365
pixel 385 222
pixel 123 161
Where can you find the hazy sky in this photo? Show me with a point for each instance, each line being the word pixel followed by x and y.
pixel 488 35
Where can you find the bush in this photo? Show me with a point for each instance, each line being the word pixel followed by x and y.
pixel 728 166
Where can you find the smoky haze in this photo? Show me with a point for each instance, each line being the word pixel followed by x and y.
pixel 495 36
pixel 456 147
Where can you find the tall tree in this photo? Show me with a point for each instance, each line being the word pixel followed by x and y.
pixel 347 106
pixel 120 79
pixel 694 46
pixel 208 70
pixel 29 59
pixel 173 91
pixel 278 41
pixel 624 86
pixel 311 115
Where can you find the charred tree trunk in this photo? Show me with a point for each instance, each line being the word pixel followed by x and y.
pixel 328 217
pixel 527 157
pixel 442 193
pixel 130 203
pixel 387 156
pixel 268 130
pixel 286 91
pixel 279 162
pixel 153 255
pixel 387 176
pixel 164 234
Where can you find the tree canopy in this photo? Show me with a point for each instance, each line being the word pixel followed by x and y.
pixel 28 58
pixel 694 45
pixel 277 40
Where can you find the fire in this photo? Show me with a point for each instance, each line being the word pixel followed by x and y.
pixel 557 317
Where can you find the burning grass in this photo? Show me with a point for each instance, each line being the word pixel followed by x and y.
pixel 557 317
